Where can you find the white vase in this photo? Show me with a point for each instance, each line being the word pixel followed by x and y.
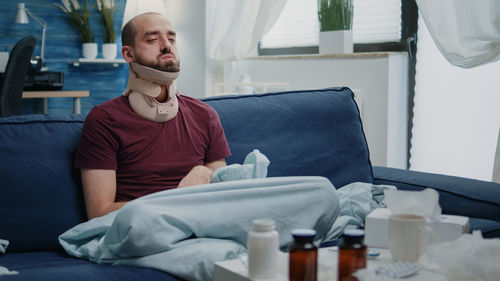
pixel 89 50
pixel 109 50
pixel 335 42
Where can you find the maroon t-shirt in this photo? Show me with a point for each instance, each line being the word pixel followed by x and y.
pixel 149 156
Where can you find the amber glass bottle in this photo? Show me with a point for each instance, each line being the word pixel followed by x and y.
pixel 303 262
pixel 352 254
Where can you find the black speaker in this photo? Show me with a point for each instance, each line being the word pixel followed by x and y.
pixel 43 80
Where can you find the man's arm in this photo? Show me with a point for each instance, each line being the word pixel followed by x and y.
pixel 99 186
pixel 216 164
pixel 201 174
pixel 99 191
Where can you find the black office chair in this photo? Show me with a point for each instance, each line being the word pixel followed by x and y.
pixel 13 81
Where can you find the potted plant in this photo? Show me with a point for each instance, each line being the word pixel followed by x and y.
pixel 106 8
pixel 335 20
pixel 79 17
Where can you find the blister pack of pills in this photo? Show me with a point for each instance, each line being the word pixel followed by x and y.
pixel 398 269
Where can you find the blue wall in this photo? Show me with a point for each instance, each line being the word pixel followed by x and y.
pixel 63 46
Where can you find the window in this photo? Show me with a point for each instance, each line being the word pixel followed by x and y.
pixel 378 25
pixel 297 26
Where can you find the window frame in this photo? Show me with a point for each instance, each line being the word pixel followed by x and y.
pixel 409 18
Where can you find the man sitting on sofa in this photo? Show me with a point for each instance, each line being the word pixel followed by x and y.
pixel 150 138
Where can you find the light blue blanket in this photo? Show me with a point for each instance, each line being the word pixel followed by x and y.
pixel 184 231
pixel 357 200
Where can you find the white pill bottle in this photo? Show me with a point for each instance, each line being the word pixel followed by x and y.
pixel 263 250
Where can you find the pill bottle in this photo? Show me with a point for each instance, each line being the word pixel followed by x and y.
pixel 303 256
pixel 263 249
pixel 352 254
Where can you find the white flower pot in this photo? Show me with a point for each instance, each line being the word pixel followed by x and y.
pixel 109 50
pixel 335 42
pixel 89 50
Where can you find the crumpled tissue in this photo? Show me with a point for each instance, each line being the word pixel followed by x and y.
pixel 423 203
pixel 254 166
pixel 3 248
pixel 470 257
pixel 6 271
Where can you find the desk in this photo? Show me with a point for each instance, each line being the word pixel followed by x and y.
pixel 76 95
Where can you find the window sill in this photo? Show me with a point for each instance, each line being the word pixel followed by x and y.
pixel 318 56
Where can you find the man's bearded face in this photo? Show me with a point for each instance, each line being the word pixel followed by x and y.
pixel 170 64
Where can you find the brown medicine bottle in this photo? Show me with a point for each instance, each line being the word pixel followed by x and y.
pixel 352 254
pixel 303 259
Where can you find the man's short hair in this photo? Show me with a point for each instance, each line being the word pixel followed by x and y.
pixel 129 32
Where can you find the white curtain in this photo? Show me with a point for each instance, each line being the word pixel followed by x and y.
pixel 496 163
pixel 457 111
pixel 456 115
pixel 235 27
pixel 467 32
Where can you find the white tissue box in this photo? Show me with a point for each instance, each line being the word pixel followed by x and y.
pixel 377 228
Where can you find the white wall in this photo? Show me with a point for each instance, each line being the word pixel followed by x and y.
pixel 376 77
pixel 188 19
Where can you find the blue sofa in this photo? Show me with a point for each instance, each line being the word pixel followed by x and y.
pixel 315 132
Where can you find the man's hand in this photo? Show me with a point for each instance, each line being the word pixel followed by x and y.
pixel 201 174
pixel 197 175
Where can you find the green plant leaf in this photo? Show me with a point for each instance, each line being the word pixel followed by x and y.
pixel 79 18
pixel 335 14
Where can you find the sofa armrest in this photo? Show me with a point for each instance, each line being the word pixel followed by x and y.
pixel 457 196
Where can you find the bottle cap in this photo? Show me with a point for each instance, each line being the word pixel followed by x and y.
pixel 262 225
pixel 303 235
pixel 354 232
pixel 303 232
pixel 353 235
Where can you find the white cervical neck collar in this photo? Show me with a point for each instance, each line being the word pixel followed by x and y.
pixel 144 85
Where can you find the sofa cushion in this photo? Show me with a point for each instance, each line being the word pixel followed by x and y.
pixel 40 192
pixel 489 228
pixel 56 266
pixel 303 133
pixel 457 196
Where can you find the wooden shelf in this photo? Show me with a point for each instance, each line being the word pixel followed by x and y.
pixel 54 94
pixel 114 62
pixel 76 95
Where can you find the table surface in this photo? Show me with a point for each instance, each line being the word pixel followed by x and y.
pixel 55 94
pixel 235 270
